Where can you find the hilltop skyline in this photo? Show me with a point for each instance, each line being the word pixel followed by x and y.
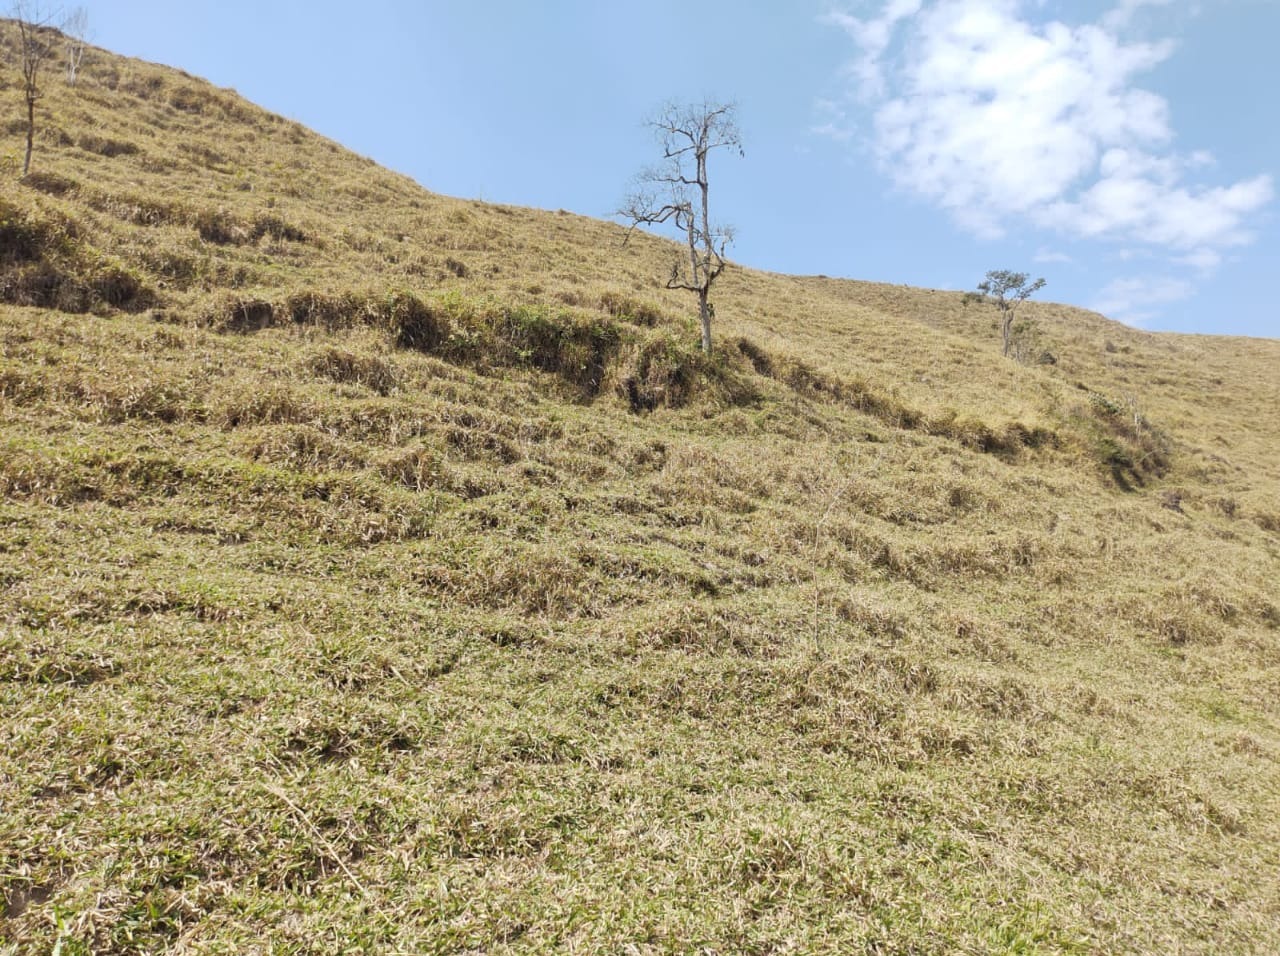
pixel 1130 170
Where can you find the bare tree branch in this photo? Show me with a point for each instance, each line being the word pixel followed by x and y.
pixel 36 32
pixel 677 195
pixel 76 28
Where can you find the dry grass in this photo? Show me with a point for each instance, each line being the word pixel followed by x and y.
pixel 400 578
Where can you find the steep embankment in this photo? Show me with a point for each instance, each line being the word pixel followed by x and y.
pixel 387 571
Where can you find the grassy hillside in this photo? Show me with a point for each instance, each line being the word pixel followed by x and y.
pixel 388 572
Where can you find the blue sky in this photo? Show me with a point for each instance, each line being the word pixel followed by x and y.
pixel 1126 150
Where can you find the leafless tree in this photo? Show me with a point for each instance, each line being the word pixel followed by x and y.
pixel 677 193
pixel 76 28
pixel 36 32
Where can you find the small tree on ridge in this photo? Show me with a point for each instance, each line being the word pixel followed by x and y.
pixel 76 28
pixel 677 192
pixel 35 31
pixel 1006 290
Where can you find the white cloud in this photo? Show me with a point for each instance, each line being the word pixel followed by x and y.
pixel 1051 256
pixel 833 121
pixel 1203 260
pixel 1140 196
pixel 872 38
pixel 1122 15
pixel 1137 299
pixel 1005 120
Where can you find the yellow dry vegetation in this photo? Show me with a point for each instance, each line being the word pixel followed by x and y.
pixel 387 572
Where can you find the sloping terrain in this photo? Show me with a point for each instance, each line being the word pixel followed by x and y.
pixel 387 572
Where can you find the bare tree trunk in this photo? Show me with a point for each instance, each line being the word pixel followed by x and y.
pixel 704 312
pixel 1006 331
pixel 693 250
pixel 31 134
pixel 703 287
pixel 704 292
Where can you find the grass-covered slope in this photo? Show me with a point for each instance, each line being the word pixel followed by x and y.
pixel 381 571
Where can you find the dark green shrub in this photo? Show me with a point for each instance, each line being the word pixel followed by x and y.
pixel 51 184
pixel 622 306
pixel 237 314
pixel 121 288
pixel 24 238
pixel 665 373
pixel 105 146
pixel 1125 442
pixel 270 224
pixel 757 356
pixel 340 365
pixel 329 310
pixel 415 324
pixel 219 227
pixel 171 265
pixel 576 347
